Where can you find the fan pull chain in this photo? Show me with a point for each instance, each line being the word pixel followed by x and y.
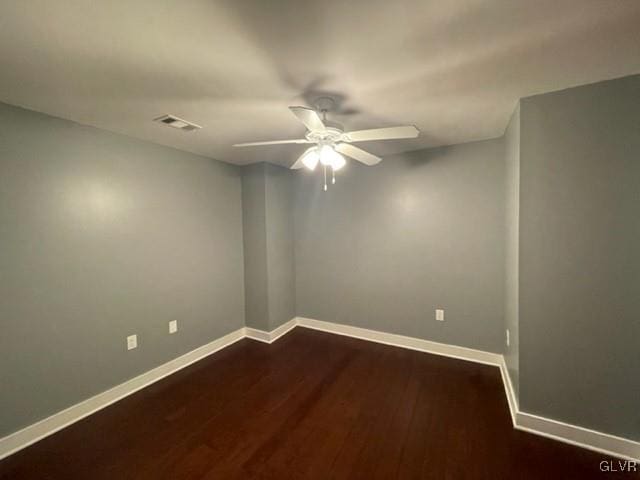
pixel 333 176
pixel 325 177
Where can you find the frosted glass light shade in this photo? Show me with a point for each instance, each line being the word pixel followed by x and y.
pixel 310 158
pixel 338 162
pixel 329 157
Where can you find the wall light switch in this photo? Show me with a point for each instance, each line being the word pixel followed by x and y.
pixel 508 338
pixel 132 342
pixel 173 326
pixel 440 315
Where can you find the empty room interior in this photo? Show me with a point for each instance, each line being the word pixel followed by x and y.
pixel 245 239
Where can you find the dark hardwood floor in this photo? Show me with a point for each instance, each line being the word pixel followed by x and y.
pixel 310 406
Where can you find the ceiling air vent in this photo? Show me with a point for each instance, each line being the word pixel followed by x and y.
pixel 179 123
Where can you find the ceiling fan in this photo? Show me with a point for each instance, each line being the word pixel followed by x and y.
pixel 331 142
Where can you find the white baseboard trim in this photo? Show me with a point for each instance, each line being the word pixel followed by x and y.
pixel 512 399
pixel 273 335
pixel 39 430
pixel 411 343
pixel 604 443
pixel 258 335
pixel 590 439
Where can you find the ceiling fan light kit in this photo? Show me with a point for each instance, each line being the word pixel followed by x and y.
pixel 332 143
pixel 326 155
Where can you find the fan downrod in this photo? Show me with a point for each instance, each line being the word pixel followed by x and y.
pixel 324 105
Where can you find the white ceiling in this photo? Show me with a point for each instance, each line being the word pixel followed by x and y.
pixel 453 68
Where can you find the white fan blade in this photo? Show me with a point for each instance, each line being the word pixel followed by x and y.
pixel 357 154
pixel 273 142
pixel 309 117
pixel 381 134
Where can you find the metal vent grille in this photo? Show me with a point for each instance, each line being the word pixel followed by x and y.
pixel 179 123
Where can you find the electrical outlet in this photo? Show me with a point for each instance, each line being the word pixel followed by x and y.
pixel 173 326
pixel 508 338
pixel 132 342
pixel 440 315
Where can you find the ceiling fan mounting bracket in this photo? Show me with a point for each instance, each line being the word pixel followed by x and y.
pixel 325 104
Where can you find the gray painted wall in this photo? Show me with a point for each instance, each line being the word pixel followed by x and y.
pixel 254 219
pixel 580 256
pixel 387 245
pixel 104 236
pixel 280 249
pixel 512 224
pixel 268 245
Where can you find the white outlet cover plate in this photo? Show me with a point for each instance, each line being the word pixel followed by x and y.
pixel 173 326
pixel 132 342
pixel 440 315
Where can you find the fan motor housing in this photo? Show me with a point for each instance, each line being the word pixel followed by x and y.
pixel 331 134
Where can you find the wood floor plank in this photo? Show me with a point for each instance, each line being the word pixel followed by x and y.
pixel 310 406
